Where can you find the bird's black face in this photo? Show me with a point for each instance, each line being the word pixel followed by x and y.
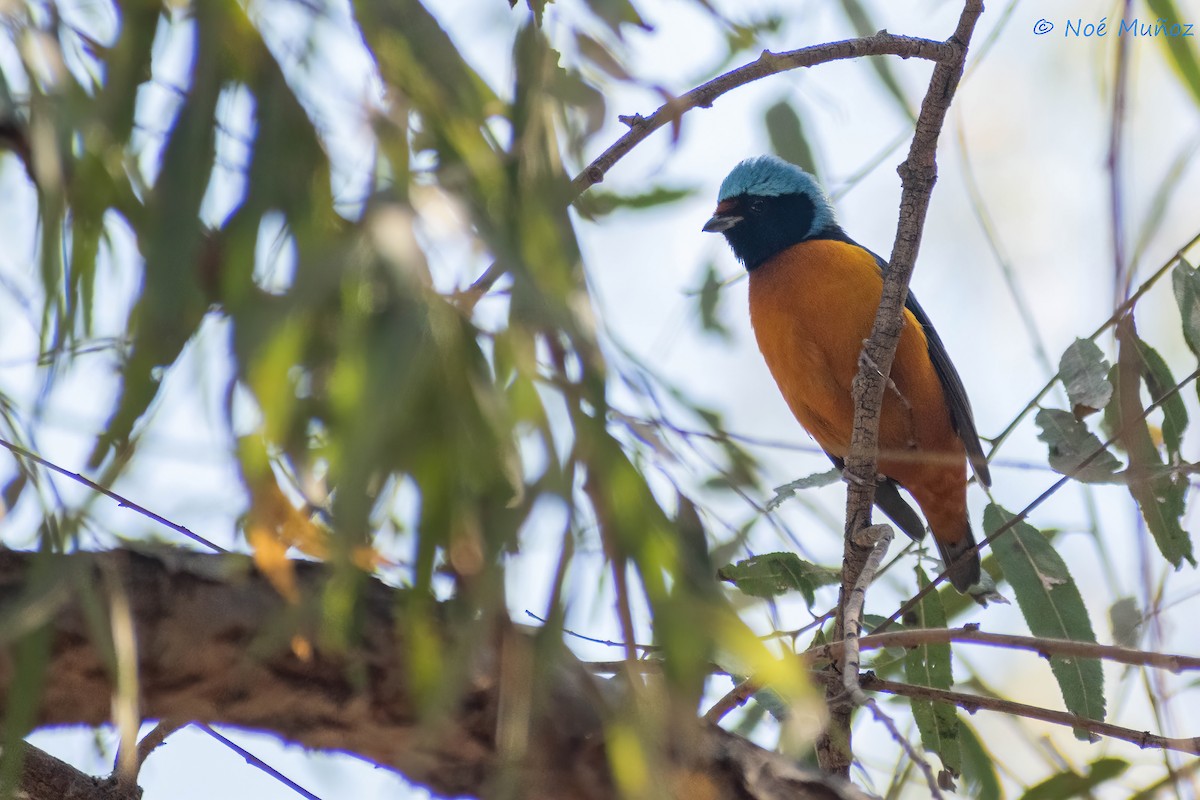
pixel 760 227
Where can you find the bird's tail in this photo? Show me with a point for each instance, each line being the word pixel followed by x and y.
pixel 962 562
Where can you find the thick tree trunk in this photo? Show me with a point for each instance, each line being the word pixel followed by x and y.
pixel 214 645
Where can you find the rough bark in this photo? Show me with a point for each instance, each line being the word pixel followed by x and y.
pixel 214 646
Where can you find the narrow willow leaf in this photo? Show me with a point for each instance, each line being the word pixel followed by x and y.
pixel 597 203
pixel 709 300
pixel 929 665
pixel 1159 381
pixel 601 57
pixel 172 303
pixel 1072 784
pixel 1052 607
pixel 782 493
pixel 979 767
pixel 773 574
pixel 788 139
pixel 11 493
pixel 1071 443
pixel 1181 50
pixel 617 13
pixel 1125 618
pixel 1160 494
pixel 1185 281
pixel 1084 372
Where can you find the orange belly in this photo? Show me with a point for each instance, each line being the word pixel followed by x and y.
pixel 812 306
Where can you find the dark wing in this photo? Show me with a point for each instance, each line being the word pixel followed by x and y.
pixel 889 501
pixel 956 396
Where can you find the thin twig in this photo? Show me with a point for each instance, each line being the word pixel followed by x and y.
pixel 703 96
pixel 605 642
pixel 915 637
pixel 972 703
pixel 917 176
pixel 155 738
pixel 255 761
pixel 1121 277
pixel 124 502
pixel 877 538
pixel 735 697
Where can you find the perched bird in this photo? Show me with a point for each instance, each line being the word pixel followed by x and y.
pixel 814 293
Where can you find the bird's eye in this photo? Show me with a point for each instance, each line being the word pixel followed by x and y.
pixel 757 206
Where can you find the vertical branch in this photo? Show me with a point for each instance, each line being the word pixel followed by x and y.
pixel 876 539
pixel 1121 275
pixel 917 174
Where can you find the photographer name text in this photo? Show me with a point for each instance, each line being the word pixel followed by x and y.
pixel 1078 28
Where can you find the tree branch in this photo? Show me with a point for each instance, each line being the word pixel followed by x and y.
pixel 917 175
pixel 876 538
pixel 213 646
pixel 1045 647
pixel 703 96
pixel 972 703
pixel 44 777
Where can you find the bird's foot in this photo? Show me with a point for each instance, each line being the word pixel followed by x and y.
pixel 868 536
pixel 850 477
pixel 863 358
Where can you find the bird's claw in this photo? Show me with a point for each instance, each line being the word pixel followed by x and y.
pixel 868 536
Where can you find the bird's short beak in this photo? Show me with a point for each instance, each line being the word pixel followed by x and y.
pixel 719 223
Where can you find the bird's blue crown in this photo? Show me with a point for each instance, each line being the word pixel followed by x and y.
pixel 771 176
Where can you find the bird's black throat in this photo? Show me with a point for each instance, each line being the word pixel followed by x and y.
pixel 771 225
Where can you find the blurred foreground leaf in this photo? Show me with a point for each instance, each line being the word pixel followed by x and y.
pixel 1052 607
pixel 774 574
pixel 929 665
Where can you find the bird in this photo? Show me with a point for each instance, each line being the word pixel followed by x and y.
pixel 814 293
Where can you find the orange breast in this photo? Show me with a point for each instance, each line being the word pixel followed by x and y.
pixel 811 307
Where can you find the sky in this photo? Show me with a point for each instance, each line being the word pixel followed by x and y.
pixel 1031 120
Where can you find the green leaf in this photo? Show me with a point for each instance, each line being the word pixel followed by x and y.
pixel 773 574
pixel 1159 381
pixel 1185 281
pixel 782 493
pixel 1163 500
pixel 773 703
pixel 601 57
pixel 929 665
pixel 616 13
pixel 1160 493
pixel 709 299
pixel 597 203
pixel 1125 618
pixel 172 303
pixel 979 767
pixel 1179 49
pixel 787 136
pixel 1071 443
pixel 11 493
pixel 1084 372
pixel 1072 784
pixel 1052 607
